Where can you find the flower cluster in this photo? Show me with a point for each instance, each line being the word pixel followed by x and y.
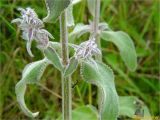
pixel 32 26
pixel 87 49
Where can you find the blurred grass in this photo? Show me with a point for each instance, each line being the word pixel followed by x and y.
pixel 139 18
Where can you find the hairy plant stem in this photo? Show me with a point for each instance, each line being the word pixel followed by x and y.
pixel 96 35
pixel 95 27
pixel 66 81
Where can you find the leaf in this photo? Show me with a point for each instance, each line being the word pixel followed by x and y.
pixel 70 18
pixel 81 29
pixel 55 8
pixel 125 46
pixel 75 1
pixel 103 26
pixel 87 112
pixel 78 31
pixel 31 74
pixel 28 46
pixel 101 75
pixel 91 6
pixel 71 67
pixel 53 56
pixel 129 105
pixel 56 46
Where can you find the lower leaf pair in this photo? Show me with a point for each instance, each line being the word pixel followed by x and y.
pixel 31 75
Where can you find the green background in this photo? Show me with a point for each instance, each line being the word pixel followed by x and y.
pixel 139 18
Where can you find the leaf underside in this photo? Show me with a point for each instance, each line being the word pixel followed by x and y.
pixel 31 74
pixel 101 75
pixel 125 46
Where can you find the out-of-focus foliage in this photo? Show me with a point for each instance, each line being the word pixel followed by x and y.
pixel 140 19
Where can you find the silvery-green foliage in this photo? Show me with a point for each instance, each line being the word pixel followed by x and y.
pixel 32 26
pixel 75 1
pixel 120 39
pixel 131 106
pixel 71 67
pixel 101 75
pixel 31 75
pixel 55 8
pixel 53 56
pixel 69 11
pixel 103 26
pixel 70 18
pixel 125 46
pixel 91 6
pixel 56 46
pixel 83 51
pixel 81 29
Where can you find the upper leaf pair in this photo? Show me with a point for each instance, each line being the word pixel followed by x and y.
pixel 120 39
pixel 56 7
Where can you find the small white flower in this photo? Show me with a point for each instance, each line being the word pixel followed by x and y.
pixel 87 49
pixel 31 26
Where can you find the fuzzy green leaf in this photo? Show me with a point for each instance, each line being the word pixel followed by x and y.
pixel 31 74
pixel 70 18
pixel 91 6
pixel 75 1
pixel 56 46
pixel 125 46
pixel 71 67
pixel 55 8
pixel 101 75
pixel 53 56
pixel 87 112
pixel 129 105
pixel 79 30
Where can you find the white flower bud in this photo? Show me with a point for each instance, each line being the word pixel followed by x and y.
pixel 86 50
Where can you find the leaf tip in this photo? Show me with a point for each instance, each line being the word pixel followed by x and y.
pixel 35 114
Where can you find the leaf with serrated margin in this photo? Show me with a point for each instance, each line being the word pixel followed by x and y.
pixel 71 67
pixel 125 46
pixel 101 75
pixel 31 74
pixel 53 57
pixel 55 8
